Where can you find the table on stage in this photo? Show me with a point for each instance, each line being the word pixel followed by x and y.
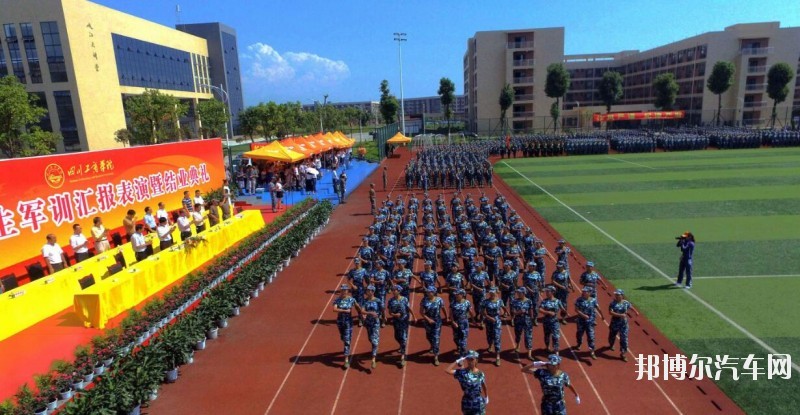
pixel 31 303
pixel 120 292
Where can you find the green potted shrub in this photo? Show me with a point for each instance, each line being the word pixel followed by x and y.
pixel 48 390
pixel 83 363
pixel 28 402
pixel 176 350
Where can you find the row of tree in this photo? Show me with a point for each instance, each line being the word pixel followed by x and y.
pixel 389 105
pixel 665 88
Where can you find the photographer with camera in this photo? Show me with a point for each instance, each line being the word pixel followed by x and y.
pixel 686 244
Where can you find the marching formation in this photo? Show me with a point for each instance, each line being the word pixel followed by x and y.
pixel 479 267
pixel 453 166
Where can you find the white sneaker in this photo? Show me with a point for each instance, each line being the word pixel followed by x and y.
pixel 688 287
pixel 677 284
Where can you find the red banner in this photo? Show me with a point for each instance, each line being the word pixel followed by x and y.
pixel 43 195
pixel 650 115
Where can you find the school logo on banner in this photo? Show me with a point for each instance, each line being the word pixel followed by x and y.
pixel 54 176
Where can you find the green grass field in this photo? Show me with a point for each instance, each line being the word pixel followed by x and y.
pixel 743 206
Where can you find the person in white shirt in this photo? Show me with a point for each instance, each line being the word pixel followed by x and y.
pixel 100 235
pixel 79 243
pixel 198 199
pixel 279 194
pixel 165 230
pixel 150 223
pixel 140 243
pixel 198 219
pixel 162 213
pixel 184 225
pixel 53 255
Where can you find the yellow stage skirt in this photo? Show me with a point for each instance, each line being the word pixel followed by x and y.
pixel 31 303
pixel 120 292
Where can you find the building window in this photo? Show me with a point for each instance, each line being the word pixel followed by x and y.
pixel 148 65
pixel 3 65
pixel 31 53
pixel 14 53
pixel 66 117
pixel 41 102
pixel 54 52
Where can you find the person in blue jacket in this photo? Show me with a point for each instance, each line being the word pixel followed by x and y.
pixel 686 244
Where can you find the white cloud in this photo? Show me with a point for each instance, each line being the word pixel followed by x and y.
pixel 264 63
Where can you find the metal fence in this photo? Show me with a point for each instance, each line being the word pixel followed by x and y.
pixel 382 134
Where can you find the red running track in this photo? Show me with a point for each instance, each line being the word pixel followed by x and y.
pixel 283 354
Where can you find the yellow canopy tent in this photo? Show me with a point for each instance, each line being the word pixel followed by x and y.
pixel 275 151
pixel 399 138
pixel 342 140
pixel 291 144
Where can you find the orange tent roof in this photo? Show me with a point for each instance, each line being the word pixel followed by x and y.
pixel 275 151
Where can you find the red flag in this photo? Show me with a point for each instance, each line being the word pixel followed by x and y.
pixel 508 141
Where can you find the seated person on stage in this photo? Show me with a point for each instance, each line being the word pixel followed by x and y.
pixel 185 225
pixel 197 218
pixel 140 243
pixel 165 230
pixel 79 243
pixel 53 255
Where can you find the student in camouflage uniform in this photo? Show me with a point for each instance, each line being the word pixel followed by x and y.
pixel 585 307
pixel 522 312
pixel 493 311
pixel 590 278
pixel 472 382
pixel 433 312
pixel 399 310
pixel 552 380
pixel 343 307
pixel 619 322
pixel 550 307
pixel 371 308
pixel 461 312
pixel 533 284
pixel 563 285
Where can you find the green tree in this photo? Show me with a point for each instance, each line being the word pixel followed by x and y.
pixel 123 136
pixel 778 79
pixel 666 90
pixel 610 90
pixel 506 101
pixel 154 116
pixel 719 81
pixel 388 104
pixel 556 86
pixel 213 116
pixel 19 137
pixel 249 123
pixel 447 94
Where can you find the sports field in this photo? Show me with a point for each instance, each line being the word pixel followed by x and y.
pixel 743 206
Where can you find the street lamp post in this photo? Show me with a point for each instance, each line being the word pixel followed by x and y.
pixel 579 115
pixel 400 38
pixel 226 101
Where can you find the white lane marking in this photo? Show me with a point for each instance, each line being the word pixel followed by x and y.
pixel 746 276
pixel 657 270
pixel 344 378
pixel 524 375
pixel 625 161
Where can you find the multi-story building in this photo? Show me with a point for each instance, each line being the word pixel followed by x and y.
pixel 82 59
pixel 223 52
pixel 520 58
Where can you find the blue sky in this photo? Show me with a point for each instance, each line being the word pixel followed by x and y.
pixel 302 50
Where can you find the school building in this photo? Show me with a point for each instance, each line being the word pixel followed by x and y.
pixel 520 58
pixel 82 59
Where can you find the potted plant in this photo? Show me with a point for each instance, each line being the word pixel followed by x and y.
pixel 28 402
pixel 102 351
pixel 48 391
pixel 84 364
pixel 65 377
pixel 176 349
